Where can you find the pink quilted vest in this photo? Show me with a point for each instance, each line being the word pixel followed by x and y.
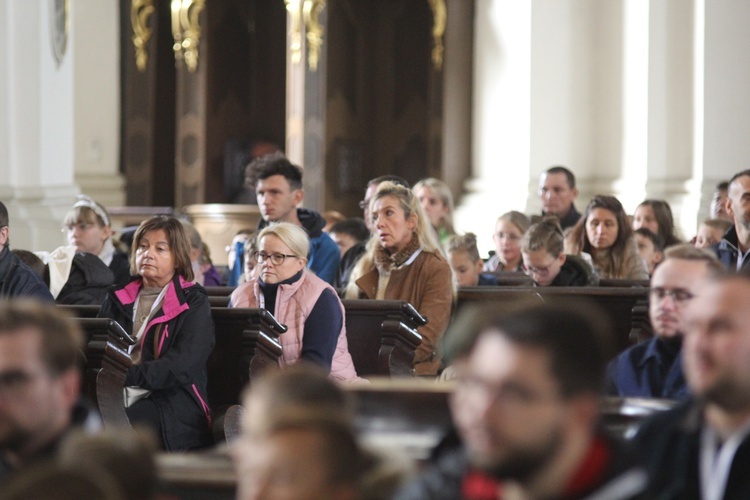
pixel 294 302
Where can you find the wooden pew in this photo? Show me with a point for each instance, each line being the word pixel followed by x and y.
pixel 413 416
pixel 382 336
pixel 107 361
pixel 246 345
pixel 408 415
pixel 196 475
pixel 219 291
pixel 626 307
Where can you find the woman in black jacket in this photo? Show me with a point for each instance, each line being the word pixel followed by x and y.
pixel 171 319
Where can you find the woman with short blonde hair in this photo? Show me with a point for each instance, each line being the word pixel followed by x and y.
pixel 403 261
pixel 308 306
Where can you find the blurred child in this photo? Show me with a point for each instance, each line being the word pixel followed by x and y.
pixel 544 259
pixel 650 248
pixel 466 265
pixel 710 232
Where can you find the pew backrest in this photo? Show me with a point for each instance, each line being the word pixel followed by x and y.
pixel 382 336
pixel 625 307
pixel 247 344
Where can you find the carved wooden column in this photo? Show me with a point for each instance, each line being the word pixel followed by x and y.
pixel 188 21
pixel 306 93
pixel 147 102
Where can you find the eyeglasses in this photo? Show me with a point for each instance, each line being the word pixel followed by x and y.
pixel 276 258
pixel 364 204
pixel 539 271
pixel 679 295
pixel 80 226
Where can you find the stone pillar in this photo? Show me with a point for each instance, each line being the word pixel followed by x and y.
pixel 37 150
pixel 722 98
pixel 500 143
pixel 95 54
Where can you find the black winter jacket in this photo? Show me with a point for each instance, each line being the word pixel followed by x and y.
pixel 175 348
pixel 18 280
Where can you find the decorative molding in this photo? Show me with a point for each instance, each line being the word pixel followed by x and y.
pixel 305 13
pixel 311 10
pixel 140 12
pixel 439 15
pixel 186 31
pixel 295 29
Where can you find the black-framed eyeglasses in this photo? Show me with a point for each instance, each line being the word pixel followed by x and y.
pixel 276 258
pixel 679 295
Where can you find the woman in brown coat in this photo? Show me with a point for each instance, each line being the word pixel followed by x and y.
pixel 403 262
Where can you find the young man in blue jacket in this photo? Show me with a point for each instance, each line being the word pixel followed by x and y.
pixel 278 187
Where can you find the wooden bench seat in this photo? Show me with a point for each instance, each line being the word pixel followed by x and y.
pixel 626 307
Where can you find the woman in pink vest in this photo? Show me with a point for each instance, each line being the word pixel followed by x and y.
pixel 307 305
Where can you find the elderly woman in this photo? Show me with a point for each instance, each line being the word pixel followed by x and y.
pixel 404 262
pixel 307 305
pixel 604 233
pixel 170 317
pixel 87 226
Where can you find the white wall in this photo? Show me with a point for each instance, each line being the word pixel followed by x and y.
pixel 53 115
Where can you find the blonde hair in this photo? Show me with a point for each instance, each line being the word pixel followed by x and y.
pixel 518 219
pixel 464 243
pixel 291 235
pixel 425 235
pixel 443 192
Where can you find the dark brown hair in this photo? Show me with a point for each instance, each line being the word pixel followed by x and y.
pixel 178 243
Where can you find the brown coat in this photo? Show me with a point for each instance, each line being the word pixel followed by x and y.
pixel 426 284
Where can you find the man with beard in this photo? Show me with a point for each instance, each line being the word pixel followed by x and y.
pixel 526 410
pixel 39 382
pixel 701 449
pixel 653 369
pixel 734 247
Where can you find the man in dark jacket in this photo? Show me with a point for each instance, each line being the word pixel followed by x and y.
pixel 39 382
pixel 734 247
pixel 653 368
pixel 278 186
pixel 16 278
pixel 526 408
pixel 701 449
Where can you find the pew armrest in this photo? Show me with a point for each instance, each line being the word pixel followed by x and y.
pixel 107 364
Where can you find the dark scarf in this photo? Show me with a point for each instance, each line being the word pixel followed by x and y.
pixel 385 261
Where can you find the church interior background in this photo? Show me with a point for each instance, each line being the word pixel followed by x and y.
pixel 159 103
